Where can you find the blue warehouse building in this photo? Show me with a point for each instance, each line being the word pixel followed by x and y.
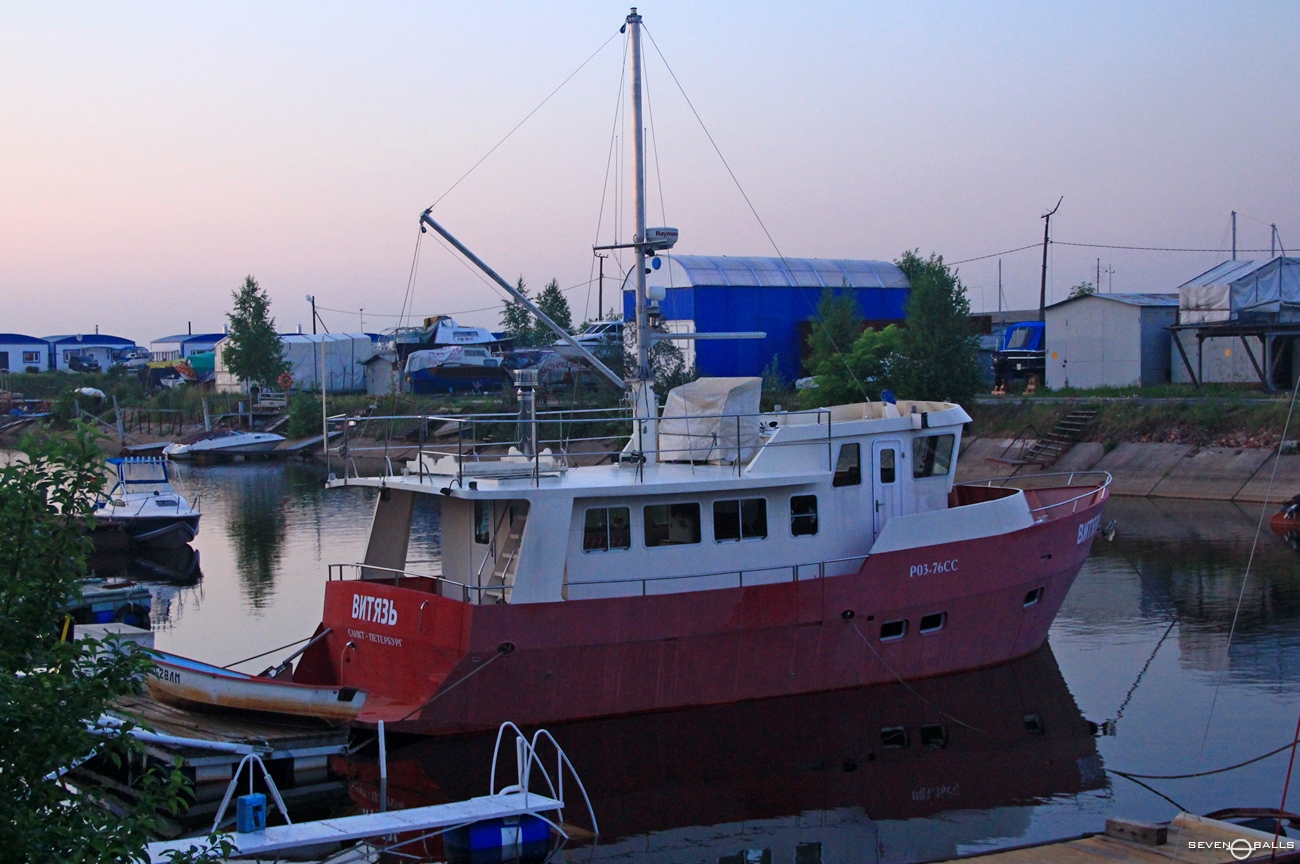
pixel 778 296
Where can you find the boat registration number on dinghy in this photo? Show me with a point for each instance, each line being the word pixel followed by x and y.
pixel 930 568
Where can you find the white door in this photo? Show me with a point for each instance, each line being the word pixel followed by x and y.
pixel 886 480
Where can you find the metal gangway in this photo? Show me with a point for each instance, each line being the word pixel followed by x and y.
pixel 415 824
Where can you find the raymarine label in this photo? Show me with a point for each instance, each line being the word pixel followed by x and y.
pixel 374 609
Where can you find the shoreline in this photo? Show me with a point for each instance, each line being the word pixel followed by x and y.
pixel 1152 470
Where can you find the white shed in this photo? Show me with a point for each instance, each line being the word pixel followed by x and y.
pixel 344 357
pixel 1110 340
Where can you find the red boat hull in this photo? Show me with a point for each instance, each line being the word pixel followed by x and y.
pixel 433 665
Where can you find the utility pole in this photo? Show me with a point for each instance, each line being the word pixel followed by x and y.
pixel 1272 241
pixel 1042 286
pixel 600 289
pixel 999 284
pixel 311 298
pixel 1097 284
pixel 362 313
pixel 1234 235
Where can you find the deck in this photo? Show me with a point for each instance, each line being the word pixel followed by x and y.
pixel 1190 839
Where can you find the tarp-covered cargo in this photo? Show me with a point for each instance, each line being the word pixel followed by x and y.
pixel 1237 288
pixel 711 420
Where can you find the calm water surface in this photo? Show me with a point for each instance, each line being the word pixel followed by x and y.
pixel 953 765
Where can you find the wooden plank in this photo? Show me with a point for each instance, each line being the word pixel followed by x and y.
pixel 1146 833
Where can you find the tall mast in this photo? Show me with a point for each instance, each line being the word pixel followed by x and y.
pixel 645 407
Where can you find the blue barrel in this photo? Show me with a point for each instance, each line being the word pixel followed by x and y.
pixel 523 839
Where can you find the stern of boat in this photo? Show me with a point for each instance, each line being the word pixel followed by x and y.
pixel 396 636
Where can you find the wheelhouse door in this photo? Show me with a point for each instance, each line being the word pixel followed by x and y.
pixel 886 481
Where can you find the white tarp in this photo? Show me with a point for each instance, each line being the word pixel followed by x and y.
pixel 1224 292
pixel 1268 288
pixel 432 358
pixel 711 420
pixel 344 354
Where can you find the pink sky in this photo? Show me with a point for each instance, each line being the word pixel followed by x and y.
pixel 155 154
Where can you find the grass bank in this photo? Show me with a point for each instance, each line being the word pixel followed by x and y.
pixel 1234 420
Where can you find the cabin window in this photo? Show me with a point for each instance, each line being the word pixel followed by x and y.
pixel 894 737
pixel 892 630
pixel 803 515
pixel 744 519
pixel 482 522
pixel 888 470
pixel 1033 597
pixel 932 455
pixel 848 466
pixel 933 623
pixel 672 524
pixel 607 528
pixel 31 356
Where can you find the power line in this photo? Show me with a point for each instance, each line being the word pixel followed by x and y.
pixel 458 312
pixel 1149 248
pixel 993 254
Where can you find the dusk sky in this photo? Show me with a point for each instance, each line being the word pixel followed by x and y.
pixel 152 155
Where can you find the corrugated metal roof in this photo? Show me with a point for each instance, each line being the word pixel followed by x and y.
pixel 190 337
pixel 1130 299
pixel 742 271
pixel 90 339
pixel 20 339
pixel 1228 271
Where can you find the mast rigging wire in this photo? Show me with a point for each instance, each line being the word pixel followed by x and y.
pixel 527 117
pixel 839 353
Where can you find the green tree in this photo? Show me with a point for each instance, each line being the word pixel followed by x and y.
pixel 871 364
pixel 52 692
pixel 1083 289
pixel 940 352
pixel 516 320
pixel 254 352
pixel 836 326
pixel 552 302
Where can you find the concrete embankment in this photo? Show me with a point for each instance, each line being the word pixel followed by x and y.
pixel 1152 470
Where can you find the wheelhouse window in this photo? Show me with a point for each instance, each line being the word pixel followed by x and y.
pixel 848 466
pixel 932 455
pixel 803 515
pixel 742 519
pixel 482 522
pixel 672 524
pixel 888 466
pixel 607 528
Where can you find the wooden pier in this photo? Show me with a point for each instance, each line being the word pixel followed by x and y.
pixel 1187 838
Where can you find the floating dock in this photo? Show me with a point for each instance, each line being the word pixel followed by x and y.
pixel 352 828
pixel 211 745
pixel 1187 838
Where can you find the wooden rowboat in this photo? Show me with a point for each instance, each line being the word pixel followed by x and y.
pixel 188 683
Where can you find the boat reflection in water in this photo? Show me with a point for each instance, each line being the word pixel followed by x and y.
pixel 813 778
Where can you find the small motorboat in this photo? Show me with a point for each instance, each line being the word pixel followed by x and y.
pixel 145 506
pixel 1287 520
pixel 188 683
pixel 225 442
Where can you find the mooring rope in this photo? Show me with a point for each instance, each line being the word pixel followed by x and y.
pixel 847 616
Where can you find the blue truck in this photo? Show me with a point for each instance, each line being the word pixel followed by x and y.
pixel 1021 354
